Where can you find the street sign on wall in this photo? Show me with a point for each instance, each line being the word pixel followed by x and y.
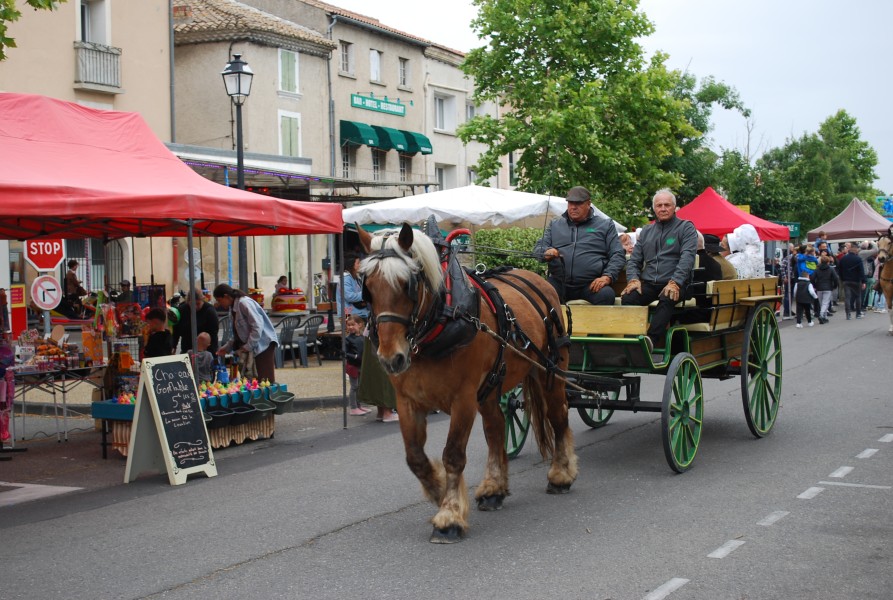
pixel 44 255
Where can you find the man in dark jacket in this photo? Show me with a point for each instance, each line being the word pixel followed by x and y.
pixel 593 256
pixel 206 321
pixel 661 264
pixel 851 270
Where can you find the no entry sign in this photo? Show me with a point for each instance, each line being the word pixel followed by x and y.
pixel 44 255
pixel 46 292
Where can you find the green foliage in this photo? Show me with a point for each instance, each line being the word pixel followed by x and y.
pixel 9 13
pixel 519 241
pixel 585 106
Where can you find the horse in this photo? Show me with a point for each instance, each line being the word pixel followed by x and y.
pixel 885 272
pixel 404 284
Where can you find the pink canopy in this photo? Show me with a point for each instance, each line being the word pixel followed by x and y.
pixel 71 171
pixel 711 213
pixel 858 221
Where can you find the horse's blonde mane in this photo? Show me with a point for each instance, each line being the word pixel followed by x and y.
pixel 422 257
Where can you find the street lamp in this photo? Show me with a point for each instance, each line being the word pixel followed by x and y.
pixel 237 76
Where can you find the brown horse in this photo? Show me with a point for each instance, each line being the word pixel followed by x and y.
pixel 403 278
pixel 885 273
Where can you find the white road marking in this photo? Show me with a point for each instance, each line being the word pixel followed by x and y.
pixel 666 589
pixel 30 491
pixel 841 472
pixel 858 485
pixel 726 549
pixel 811 493
pixel 887 438
pixel 773 518
pixel 867 453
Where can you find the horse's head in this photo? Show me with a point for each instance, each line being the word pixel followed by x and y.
pixel 885 245
pixel 402 279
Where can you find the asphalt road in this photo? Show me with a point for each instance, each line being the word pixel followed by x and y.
pixel 325 512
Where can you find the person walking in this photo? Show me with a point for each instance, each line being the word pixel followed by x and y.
pixel 825 281
pixel 589 247
pixel 206 321
pixel 851 270
pixel 252 331
pixel 805 294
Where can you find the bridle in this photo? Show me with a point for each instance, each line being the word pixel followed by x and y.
pixel 887 255
pixel 418 323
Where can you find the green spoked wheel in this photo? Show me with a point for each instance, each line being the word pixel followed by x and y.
pixel 598 417
pixel 761 370
pixel 682 412
pixel 517 421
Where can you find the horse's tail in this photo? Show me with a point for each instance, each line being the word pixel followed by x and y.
pixel 535 397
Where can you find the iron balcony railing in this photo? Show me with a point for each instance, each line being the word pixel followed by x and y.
pixel 97 64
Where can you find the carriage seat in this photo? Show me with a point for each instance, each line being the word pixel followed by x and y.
pixel 730 301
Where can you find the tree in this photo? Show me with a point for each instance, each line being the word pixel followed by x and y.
pixel 9 13
pixel 583 106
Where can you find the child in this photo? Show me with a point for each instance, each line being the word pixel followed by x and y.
pixel 805 295
pixel 281 285
pixel 160 342
pixel 204 360
pixel 825 280
pixel 353 344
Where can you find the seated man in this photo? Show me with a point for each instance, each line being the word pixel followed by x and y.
pixel 661 264
pixel 593 256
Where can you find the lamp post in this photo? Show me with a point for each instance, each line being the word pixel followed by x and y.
pixel 237 76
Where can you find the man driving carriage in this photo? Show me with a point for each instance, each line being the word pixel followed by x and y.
pixel 590 249
pixel 661 264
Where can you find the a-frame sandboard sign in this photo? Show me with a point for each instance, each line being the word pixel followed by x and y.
pixel 168 432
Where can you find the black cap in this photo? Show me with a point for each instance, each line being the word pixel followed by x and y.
pixel 578 194
pixel 711 243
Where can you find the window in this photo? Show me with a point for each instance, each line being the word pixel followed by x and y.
pixel 439 172
pixel 289 133
pixel 444 112
pixel 472 176
pixel 403 73
pixel 446 176
pixel 405 167
pixel 378 163
pixel 469 111
pixel 288 71
pixel 348 160
pixel 346 57
pixel 93 21
pixel 374 65
pixel 513 177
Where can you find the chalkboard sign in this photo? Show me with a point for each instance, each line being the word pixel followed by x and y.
pixel 168 431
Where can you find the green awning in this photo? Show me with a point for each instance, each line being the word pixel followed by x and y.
pixel 390 139
pixel 358 133
pixel 417 142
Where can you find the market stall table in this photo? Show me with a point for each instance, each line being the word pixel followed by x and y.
pixel 55 381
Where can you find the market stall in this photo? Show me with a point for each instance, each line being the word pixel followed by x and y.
pixel 70 171
pixel 858 221
pixel 713 214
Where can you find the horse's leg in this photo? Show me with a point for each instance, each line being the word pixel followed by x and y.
pixel 414 427
pixel 563 471
pixel 451 520
pixel 888 297
pixel 494 487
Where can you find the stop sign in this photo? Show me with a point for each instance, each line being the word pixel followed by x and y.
pixel 44 255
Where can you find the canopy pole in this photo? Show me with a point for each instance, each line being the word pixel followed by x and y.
pixel 288 239
pixel 254 247
pixel 201 261
pixel 151 264
pixel 216 260
pixel 133 262
pixel 193 326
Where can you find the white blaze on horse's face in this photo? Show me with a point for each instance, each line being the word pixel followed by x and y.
pixel 393 346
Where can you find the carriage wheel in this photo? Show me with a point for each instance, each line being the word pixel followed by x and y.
pixel 682 413
pixel 517 421
pixel 598 417
pixel 761 370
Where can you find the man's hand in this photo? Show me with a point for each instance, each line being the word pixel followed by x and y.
pixel 635 284
pixel 550 254
pixel 671 291
pixel 599 283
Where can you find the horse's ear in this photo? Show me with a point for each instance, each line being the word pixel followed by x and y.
pixel 405 237
pixel 365 238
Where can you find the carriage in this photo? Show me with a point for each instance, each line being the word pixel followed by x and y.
pixel 734 334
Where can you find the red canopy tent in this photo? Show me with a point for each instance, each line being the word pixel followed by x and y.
pixel 71 171
pixel 858 221
pixel 711 213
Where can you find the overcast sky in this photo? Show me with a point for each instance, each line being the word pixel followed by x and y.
pixel 794 62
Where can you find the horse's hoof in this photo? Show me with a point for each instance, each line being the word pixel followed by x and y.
pixel 558 489
pixel 448 535
pixel 488 503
